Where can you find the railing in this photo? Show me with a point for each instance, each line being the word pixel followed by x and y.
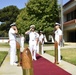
pixel 4 39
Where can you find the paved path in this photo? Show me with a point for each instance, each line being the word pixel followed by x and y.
pixel 52 47
pixel 4 48
pixel 7 69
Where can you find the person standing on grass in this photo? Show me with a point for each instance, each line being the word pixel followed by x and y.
pixel 33 41
pixel 58 39
pixel 12 42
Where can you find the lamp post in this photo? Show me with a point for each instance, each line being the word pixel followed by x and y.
pixel 62 19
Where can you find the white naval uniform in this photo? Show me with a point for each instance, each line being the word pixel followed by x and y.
pixel 12 43
pixel 58 32
pixel 37 43
pixel 33 44
pixel 41 37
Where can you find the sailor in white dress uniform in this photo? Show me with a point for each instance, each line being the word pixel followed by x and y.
pixel 33 41
pixel 12 42
pixel 58 39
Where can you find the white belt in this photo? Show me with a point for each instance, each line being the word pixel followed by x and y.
pixel 12 40
pixel 32 40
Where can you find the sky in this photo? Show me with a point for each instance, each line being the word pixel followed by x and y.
pixel 19 3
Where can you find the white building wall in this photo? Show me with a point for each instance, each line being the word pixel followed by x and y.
pixel 68 8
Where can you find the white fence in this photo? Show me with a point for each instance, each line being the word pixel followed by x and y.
pixel 3 39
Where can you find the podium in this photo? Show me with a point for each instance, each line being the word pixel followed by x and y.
pixel 27 65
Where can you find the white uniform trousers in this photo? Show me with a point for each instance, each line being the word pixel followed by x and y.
pixel 33 48
pixel 38 47
pixel 12 52
pixel 22 44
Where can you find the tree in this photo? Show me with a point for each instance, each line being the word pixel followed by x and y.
pixel 42 13
pixel 8 15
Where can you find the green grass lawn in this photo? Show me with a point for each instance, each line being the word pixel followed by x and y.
pixel 4 44
pixel 26 44
pixel 7 44
pixel 2 56
pixel 68 55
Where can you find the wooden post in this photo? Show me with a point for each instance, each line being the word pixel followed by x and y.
pixel 56 52
pixel 27 64
pixel 18 53
pixel 40 48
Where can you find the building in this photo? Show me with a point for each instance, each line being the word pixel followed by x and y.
pixel 69 17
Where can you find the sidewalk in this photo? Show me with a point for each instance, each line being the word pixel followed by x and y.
pixel 64 47
pixel 7 69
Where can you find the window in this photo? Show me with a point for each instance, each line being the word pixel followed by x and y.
pixel 71 15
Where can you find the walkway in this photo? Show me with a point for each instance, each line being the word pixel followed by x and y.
pixel 7 69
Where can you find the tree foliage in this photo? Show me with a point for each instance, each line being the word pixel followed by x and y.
pixel 8 15
pixel 42 13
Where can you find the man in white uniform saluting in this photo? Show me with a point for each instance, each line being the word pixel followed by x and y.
pixel 33 41
pixel 12 42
